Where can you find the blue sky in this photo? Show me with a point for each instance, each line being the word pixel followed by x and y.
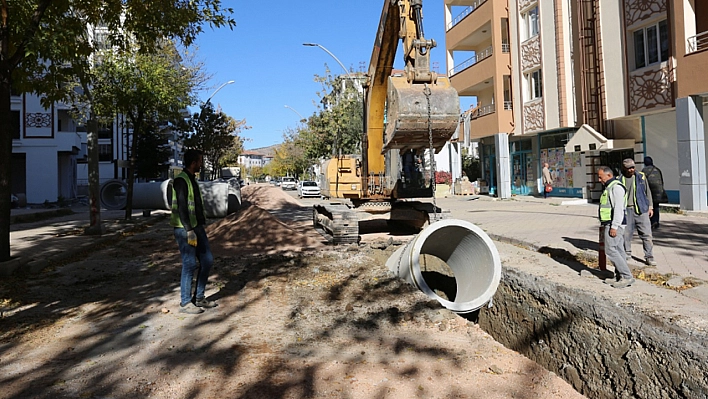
pixel 265 56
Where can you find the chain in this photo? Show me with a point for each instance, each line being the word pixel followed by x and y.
pixel 427 93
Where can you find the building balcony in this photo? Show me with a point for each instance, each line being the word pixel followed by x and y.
pixel 692 68
pixel 486 120
pixel 697 43
pixel 464 13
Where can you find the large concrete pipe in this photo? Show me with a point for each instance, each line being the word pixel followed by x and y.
pixel 220 198
pixel 114 194
pixel 152 195
pixel 465 249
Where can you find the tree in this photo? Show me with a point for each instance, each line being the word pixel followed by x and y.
pixel 153 153
pixel 338 125
pixel 215 133
pixel 146 88
pixel 44 43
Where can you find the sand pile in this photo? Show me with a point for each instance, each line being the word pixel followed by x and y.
pixel 254 230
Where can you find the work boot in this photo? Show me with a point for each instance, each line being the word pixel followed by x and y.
pixel 204 303
pixel 190 308
pixel 651 262
pixel 623 283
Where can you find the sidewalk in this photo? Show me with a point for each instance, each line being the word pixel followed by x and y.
pixel 42 236
pixel 550 226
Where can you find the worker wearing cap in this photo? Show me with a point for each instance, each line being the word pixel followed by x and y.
pixel 640 208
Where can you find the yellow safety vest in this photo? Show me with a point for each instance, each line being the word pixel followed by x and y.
pixel 175 221
pixel 606 211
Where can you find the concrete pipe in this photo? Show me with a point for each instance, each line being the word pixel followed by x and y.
pixel 465 249
pixel 151 195
pixel 220 198
pixel 114 195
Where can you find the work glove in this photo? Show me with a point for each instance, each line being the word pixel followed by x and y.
pixel 192 238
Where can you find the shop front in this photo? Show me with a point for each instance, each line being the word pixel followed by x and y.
pixel 566 168
pixel 522 167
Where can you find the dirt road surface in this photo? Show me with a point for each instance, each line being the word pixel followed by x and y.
pixel 296 319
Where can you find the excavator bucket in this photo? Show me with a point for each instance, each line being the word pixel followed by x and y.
pixel 412 114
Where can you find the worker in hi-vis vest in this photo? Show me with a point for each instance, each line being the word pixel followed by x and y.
pixel 612 217
pixel 188 220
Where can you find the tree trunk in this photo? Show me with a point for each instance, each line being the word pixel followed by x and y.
pixel 95 226
pixel 131 168
pixel 5 161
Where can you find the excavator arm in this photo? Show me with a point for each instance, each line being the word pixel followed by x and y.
pixel 422 108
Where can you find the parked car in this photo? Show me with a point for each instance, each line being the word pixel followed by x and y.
pixel 308 189
pixel 288 183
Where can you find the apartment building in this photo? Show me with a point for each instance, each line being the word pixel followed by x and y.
pixel 643 95
pixel 479 66
pixel 591 82
pixel 46 147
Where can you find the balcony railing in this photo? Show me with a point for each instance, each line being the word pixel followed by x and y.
pixel 506 48
pixel 479 56
pixel 698 42
pixel 481 111
pixel 467 11
pixel 508 105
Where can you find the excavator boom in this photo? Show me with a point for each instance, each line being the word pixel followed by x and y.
pixel 405 113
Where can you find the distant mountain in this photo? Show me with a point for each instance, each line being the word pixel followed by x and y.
pixel 267 151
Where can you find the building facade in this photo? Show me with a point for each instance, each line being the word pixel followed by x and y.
pixel 577 96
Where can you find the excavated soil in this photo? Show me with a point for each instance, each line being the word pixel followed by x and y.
pixel 296 319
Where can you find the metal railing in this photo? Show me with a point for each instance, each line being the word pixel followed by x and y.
pixel 506 48
pixel 479 56
pixel 481 111
pixel 467 11
pixel 698 42
pixel 508 105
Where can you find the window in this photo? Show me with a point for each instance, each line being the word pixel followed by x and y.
pixel 105 152
pixel 651 45
pixel 531 22
pixel 535 84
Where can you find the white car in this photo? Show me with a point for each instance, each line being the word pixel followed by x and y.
pixel 288 183
pixel 308 189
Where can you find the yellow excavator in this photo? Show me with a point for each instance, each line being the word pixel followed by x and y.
pixel 405 114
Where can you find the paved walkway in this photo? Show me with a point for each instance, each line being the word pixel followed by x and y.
pixel 548 225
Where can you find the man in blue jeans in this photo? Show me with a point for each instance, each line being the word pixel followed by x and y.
pixel 188 220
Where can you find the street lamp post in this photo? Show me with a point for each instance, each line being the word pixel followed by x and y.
pixel 363 99
pixel 302 118
pixel 333 56
pixel 217 90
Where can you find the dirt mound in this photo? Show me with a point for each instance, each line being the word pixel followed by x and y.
pixel 268 197
pixel 254 230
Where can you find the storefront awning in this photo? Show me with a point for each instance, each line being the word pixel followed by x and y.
pixel 588 139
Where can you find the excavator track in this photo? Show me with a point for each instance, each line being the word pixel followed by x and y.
pixel 336 222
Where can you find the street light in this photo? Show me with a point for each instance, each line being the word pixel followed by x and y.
pixel 302 118
pixel 333 56
pixel 217 90
pixel 363 122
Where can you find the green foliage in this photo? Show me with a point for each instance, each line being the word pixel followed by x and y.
pixel 471 165
pixel 216 135
pixel 338 125
pixel 153 154
pixel 46 44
